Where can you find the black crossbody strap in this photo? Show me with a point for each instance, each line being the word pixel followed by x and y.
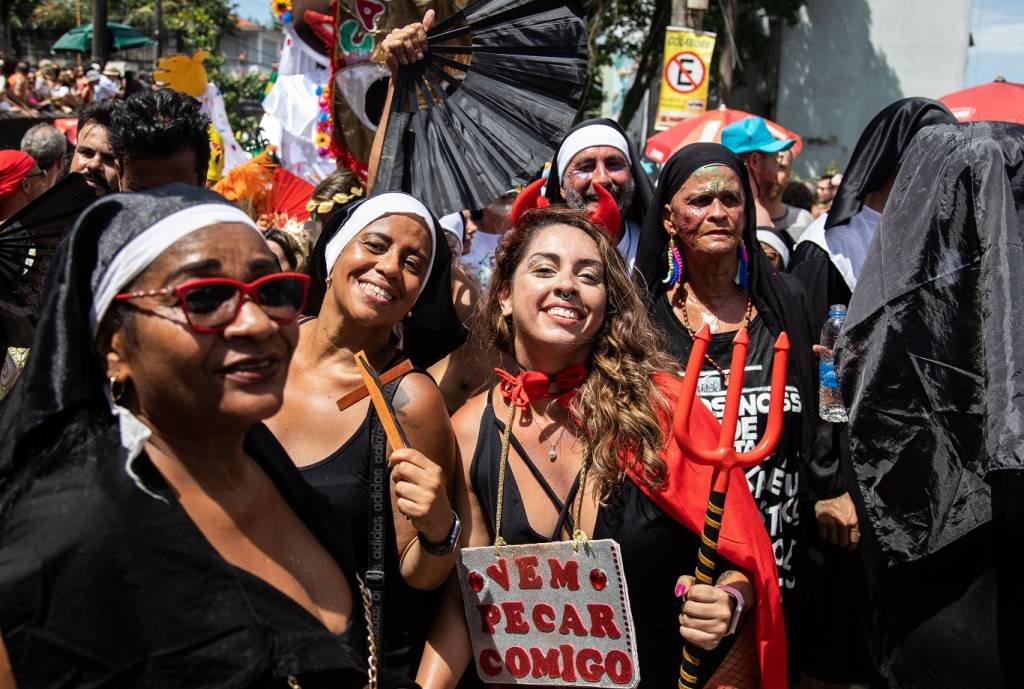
pixel 377 535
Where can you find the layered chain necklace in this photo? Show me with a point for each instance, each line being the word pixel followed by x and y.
pixel 686 322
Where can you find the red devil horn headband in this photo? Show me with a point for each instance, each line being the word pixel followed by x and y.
pixel 607 211
pixel 528 198
pixel 606 214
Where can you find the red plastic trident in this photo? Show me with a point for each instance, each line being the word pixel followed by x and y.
pixel 724 457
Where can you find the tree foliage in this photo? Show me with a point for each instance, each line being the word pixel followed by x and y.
pixel 201 22
pixel 238 89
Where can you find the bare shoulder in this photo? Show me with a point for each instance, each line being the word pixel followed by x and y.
pixel 466 423
pixel 418 396
pixel 467 418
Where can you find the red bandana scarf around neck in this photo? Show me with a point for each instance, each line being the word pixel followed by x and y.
pixel 533 385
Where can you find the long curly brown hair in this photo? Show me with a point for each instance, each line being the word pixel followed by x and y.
pixel 619 402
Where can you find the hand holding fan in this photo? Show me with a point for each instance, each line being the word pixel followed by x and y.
pixel 498 87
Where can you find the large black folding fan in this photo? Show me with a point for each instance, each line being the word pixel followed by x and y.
pixel 27 241
pixel 499 87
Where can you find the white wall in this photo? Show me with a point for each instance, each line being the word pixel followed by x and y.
pixel 847 59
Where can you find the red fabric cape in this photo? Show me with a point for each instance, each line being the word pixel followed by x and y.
pixel 743 539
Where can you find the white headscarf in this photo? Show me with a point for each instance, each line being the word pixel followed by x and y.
pixel 588 137
pixel 371 209
pixel 141 251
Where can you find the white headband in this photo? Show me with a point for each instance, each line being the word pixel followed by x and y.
pixel 455 225
pixel 371 209
pixel 775 241
pixel 141 251
pixel 588 137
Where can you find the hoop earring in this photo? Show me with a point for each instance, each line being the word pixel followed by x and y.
pixel 675 263
pixel 743 267
pixel 327 282
pixel 115 393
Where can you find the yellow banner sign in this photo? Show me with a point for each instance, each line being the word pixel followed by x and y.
pixel 685 69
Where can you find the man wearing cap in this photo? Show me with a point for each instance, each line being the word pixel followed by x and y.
pixel 750 139
pixel 109 84
pixel 598 152
pixel 21 182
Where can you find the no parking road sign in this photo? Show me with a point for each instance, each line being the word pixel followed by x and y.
pixel 685 72
pixel 684 75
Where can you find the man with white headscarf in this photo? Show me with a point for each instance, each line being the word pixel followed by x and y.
pixel 599 152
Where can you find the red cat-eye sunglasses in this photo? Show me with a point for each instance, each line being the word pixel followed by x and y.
pixel 212 304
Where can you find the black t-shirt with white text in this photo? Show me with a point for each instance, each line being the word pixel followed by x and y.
pixel 774 483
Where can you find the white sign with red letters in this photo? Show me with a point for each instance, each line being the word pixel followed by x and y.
pixel 550 614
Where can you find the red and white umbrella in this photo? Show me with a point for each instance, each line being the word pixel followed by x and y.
pixel 1000 101
pixel 707 127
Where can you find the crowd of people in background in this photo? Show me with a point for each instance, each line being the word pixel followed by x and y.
pixel 52 87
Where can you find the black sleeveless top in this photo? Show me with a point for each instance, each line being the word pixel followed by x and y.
pixel 656 550
pixel 343 478
pixel 106 581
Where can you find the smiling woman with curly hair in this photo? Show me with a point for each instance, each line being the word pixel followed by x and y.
pixel 588 449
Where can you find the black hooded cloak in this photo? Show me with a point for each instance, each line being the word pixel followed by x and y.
pixel 104 579
pixel 828 277
pixel 644 189
pixel 931 368
pixel 433 330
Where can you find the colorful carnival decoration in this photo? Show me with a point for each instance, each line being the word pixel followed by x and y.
pixel 323 107
pixel 187 74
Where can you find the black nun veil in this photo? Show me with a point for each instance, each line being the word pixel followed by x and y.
pixel 778 297
pixel 433 330
pixel 879 149
pixel 64 378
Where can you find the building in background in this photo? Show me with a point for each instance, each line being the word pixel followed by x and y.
pixel 252 48
pixel 844 61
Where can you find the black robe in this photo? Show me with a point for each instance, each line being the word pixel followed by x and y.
pixel 105 584
pixel 932 364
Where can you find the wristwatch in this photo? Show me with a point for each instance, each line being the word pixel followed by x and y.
pixel 737 611
pixel 450 542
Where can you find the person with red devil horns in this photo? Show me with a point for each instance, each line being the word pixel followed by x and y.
pixel 578 441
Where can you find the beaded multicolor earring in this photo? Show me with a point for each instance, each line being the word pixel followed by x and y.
pixel 743 269
pixel 675 263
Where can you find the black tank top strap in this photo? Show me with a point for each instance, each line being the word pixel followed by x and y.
pixel 493 425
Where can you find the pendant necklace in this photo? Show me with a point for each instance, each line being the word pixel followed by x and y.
pixel 553 452
pixel 556 444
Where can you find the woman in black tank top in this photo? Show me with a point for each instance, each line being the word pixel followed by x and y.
pixel 381 285
pixel 561 302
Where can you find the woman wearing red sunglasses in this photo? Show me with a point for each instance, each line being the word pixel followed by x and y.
pixel 381 284
pixel 143 540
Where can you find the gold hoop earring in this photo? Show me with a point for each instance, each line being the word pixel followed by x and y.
pixel 116 393
pixel 327 282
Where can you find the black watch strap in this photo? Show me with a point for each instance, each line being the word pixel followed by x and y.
pixel 446 546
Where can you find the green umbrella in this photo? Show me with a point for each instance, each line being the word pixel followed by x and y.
pixel 119 37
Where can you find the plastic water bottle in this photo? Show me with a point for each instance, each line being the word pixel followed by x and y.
pixel 830 401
